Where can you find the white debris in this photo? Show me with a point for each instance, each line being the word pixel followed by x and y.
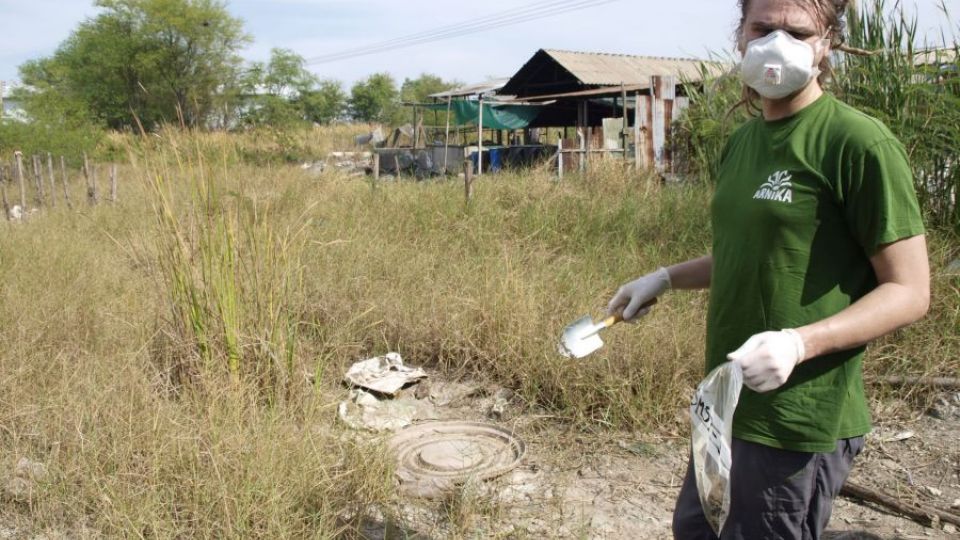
pixel 364 411
pixel 383 374
pixel 902 436
pixel 16 213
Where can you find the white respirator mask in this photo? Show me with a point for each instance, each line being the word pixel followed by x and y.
pixel 778 64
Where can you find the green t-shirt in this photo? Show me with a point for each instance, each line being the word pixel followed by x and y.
pixel 800 205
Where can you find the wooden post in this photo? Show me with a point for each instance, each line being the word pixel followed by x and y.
pixel 396 163
pixel 446 138
pixel 376 165
pixel 582 134
pixel 468 180
pixel 113 183
pixel 626 124
pixel 86 177
pixel 53 185
pixel 94 191
pixel 636 132
pixel 23 189
pixel 480 140
pixel 416 128
pixel 38 179
pixel 3 188
pixel 64 179
pixel 560 158
pixel 586 135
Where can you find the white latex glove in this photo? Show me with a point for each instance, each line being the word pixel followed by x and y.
pixel 631 296
pixel 768 358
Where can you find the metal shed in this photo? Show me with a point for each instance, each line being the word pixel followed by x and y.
pixel 588 90
pixel 552 71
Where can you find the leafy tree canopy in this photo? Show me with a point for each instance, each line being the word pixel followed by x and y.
pixel 155 60
pixel 374 99
pixel 418 90
pixel 283 92
pixel 325 103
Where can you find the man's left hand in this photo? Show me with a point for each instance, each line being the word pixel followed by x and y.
pixel 768 358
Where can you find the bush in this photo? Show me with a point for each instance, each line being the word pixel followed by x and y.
pixel 38 139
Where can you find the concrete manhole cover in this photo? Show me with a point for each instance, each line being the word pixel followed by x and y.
pixel 436 456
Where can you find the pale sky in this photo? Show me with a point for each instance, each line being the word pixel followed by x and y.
pixel 312 28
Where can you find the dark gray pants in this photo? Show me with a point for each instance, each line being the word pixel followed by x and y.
pixel 774 493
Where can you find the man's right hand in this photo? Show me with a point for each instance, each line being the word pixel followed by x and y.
pixel 638 292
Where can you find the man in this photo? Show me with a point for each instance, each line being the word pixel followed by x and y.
pixel 818 248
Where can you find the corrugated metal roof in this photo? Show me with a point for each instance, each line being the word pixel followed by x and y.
pixel 602 91
pixel 929 57
pixel 610 69
pixel 473 89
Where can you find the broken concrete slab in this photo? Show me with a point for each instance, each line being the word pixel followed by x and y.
pixel 363 411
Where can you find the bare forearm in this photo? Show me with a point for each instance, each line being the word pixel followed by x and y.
pixel 902 297
pixel 692 274
pixel 885 309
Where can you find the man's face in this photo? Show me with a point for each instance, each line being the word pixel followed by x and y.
pixel 766 16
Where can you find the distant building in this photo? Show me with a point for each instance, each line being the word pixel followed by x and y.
pixel 12 108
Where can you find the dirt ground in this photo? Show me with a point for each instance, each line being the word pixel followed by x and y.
pixel 576 484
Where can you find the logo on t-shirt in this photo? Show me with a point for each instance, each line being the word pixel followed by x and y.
pixel 776 188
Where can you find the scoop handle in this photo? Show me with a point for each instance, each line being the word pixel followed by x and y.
pixel 618 316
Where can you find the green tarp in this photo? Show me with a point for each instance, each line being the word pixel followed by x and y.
pixel 494 116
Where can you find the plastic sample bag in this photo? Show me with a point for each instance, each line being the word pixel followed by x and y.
pixel 711 413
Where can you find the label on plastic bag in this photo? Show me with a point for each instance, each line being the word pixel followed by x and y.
pixel 711 416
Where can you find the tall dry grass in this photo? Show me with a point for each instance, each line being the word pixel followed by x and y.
pixel 88 345
pixel 155 353
pixel 262 146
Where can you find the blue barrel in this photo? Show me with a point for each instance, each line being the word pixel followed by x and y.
pixel 492 159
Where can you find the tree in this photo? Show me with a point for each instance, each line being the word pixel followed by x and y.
pixel 286 74
pixel 374 99
pixel 418 90
pixel 155 60
pixel 324 103
pixel 274 92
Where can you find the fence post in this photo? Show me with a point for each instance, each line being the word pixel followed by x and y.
pixel 38 179
pixel 23 189
pixel 86 179
pixel 94 190
pixel 53 181
pixel 468 179
pixel 637 163
pixel 376 165
pixel 113 183
pixel 3 187
pixel 64 178
pixel 560 158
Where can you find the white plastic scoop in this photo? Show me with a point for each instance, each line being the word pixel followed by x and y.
pixel 582 337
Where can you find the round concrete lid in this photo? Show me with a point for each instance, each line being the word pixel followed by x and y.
pixel 434 457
